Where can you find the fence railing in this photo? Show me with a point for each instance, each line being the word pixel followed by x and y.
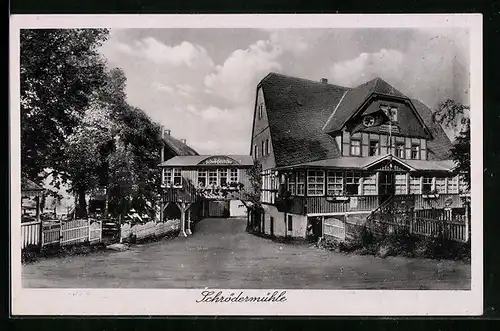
pixel 62 233
pixel 30 234
pixel 456 229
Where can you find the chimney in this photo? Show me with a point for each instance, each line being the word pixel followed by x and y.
pixel 166 132
pixel 324 80
pixel 183 141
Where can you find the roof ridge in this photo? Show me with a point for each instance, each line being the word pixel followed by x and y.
pixel 273 73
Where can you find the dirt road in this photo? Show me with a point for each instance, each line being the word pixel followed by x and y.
pixel 221 254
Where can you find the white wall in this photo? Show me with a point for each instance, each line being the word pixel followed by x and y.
pixel 237 209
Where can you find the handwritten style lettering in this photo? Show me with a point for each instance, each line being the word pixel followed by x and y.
pixel 212 296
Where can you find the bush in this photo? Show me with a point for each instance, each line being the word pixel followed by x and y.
pixel 376 240
pixel 401 242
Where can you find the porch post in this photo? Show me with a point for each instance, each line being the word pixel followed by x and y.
pixel 188 223
pixel 182 208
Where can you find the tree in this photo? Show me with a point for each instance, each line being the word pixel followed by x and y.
pixel 84 155
pixel 59 72
pixel 142 135
pixel 251 196
pixel 455 117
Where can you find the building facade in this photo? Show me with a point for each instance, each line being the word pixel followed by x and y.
pixel 200 186
pixel 334 152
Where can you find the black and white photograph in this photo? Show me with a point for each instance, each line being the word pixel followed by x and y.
pixel 246 164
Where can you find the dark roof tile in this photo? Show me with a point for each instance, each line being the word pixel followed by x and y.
pixel 297 109
pixel 301 112
pixel 178 147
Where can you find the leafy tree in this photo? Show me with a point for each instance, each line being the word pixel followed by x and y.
pixel 121 185
pixel 455 117
pixel 59 71
pixel 142 135
pixel 251 196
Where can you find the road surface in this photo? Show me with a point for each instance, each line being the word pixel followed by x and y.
pixel 220 254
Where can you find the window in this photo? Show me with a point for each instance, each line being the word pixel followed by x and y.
pixel 300 182
pixel 453 185
pixel 393 114
pixel 267 147
pixel 261 106
pixel 202 178
pixel 315 182
pixel 167 175
pixel 427 184
pixel 291 183
pixel 352 183
pixel 390 111
pixel 223 177
pixel 400 150
pixel 414 185
pixel 374 148
pixel 370 184
pixel 334 183
pixel 233 178
pixel 212 177
pixel 262 149
pixel 177 177
pixel 400 184
pixel 441 185
pixel 355 147
pixel 415 151
pixel 290 223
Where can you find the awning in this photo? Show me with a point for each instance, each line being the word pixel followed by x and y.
pixel 366 163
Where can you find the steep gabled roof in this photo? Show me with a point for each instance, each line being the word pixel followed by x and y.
pixel 301 112
pixel 354 99
pixel 29 185
pixel 297 110
pixel 178 147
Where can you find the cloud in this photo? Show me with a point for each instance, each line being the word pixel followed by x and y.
pixel 186 53
pixel 236 79
pixel 163 88
pixel 432 68
pixel 290 41
pixel 184 90
pixel 367 66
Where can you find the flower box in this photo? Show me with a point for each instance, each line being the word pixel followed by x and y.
pixel 335 199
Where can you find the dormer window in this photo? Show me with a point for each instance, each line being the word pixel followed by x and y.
pixel 261 106
pixel 390 111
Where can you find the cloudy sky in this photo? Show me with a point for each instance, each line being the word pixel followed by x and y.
pixel 200 83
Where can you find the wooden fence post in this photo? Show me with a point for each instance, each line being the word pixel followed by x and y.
pixel 60 231
pixel 88 228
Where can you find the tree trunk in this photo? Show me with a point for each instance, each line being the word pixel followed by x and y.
pixel 81 208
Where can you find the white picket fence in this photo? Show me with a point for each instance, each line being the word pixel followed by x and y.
pixel 67 233
pixel 149 229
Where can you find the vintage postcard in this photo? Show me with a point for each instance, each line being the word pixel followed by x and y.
pixel 246 164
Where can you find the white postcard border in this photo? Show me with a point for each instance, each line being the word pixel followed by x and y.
pixel 170 302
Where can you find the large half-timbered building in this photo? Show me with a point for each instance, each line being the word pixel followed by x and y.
pixel 331 151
